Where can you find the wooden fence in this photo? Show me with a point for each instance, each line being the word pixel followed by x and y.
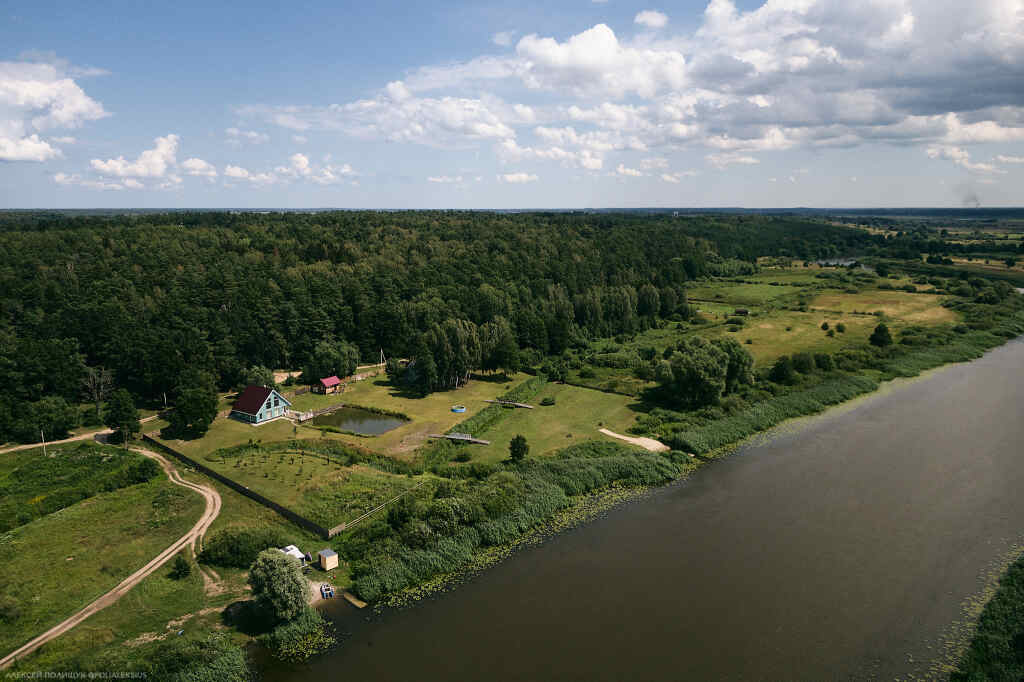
pixel 287 513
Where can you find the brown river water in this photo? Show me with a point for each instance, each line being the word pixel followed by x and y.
pixel 844 546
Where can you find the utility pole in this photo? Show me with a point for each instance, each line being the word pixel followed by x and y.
pixel 43 438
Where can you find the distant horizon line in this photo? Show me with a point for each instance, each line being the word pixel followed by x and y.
pixel 581 209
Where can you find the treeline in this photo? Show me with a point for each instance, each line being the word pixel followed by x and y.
pixel 149 296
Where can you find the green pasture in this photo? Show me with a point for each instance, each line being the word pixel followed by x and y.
pixel 56 565
pixel 576 416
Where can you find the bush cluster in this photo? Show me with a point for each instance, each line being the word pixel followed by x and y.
pixel 238 547
pixel 439 533
pixel 296 640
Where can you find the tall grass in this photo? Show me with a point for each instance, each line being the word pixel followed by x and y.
pixel 43 485
pixel 903 361
pixel 441 535
pixel 997 650
pixel 768 413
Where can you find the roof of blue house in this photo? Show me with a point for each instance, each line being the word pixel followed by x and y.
pixel 251 399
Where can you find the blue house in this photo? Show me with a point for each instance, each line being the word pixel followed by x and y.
pixel 258 404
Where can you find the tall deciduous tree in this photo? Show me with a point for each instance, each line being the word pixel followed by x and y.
pixel 278 584
pixel 195 405
pixel 121 415
pixel 97 383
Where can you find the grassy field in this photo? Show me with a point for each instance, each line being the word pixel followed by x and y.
pixel 431 414
pixel 739 294
pixel 225 432
pixel 785 332
pixel 57 564
pixel 901 307
pixel 158 607
pixel 33 485
pixel 776 326
pixel 577 415
pixel 324 492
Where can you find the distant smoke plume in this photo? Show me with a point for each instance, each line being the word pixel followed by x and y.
pixel 968 197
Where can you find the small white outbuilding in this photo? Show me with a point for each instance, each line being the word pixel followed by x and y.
pixel 293 551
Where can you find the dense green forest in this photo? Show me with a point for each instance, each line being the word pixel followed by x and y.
pixel 157 297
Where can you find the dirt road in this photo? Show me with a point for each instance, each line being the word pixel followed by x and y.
pixel 81 436
pixel 192 539
pixel 645 443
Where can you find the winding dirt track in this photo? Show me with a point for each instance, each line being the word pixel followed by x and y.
pixel 190 539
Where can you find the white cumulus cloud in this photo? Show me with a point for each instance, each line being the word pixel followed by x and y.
pixel 199 167
pixel 239 173
pixel 238 136
pixel 36 97
pixel 518 178
pixel 623 170
pixel 151 163
pixel 503 38
pixel 962 158
pixel 651 19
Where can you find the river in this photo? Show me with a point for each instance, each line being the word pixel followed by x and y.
pixel 844 546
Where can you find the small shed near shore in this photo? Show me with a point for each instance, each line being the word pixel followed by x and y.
pixel 328 559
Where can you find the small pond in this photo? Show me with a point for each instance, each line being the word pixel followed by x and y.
pixel 359 421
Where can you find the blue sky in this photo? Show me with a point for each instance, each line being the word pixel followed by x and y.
pixel 474 105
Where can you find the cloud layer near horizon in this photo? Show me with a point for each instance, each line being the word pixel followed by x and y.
pixel 936 78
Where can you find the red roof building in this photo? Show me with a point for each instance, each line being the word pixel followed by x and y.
pixel 257 404
pixel 329 384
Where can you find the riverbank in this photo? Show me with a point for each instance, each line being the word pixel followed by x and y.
pixel 996 650
pixel 842 549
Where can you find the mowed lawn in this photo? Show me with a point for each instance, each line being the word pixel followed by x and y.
pixel 226 432
pixel 56 565
pixel 430 414
pixel 576 416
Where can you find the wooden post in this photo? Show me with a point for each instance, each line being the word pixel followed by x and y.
pixel 43 438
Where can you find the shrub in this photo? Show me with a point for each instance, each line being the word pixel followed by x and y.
pixel 782 371
pixel 298 639
pixel 823 361
pixel 239 547
pixel 881 336
pixel 547 401
pixel 824 326
pixel 803 363
pixel 840 327
pixel 182 568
